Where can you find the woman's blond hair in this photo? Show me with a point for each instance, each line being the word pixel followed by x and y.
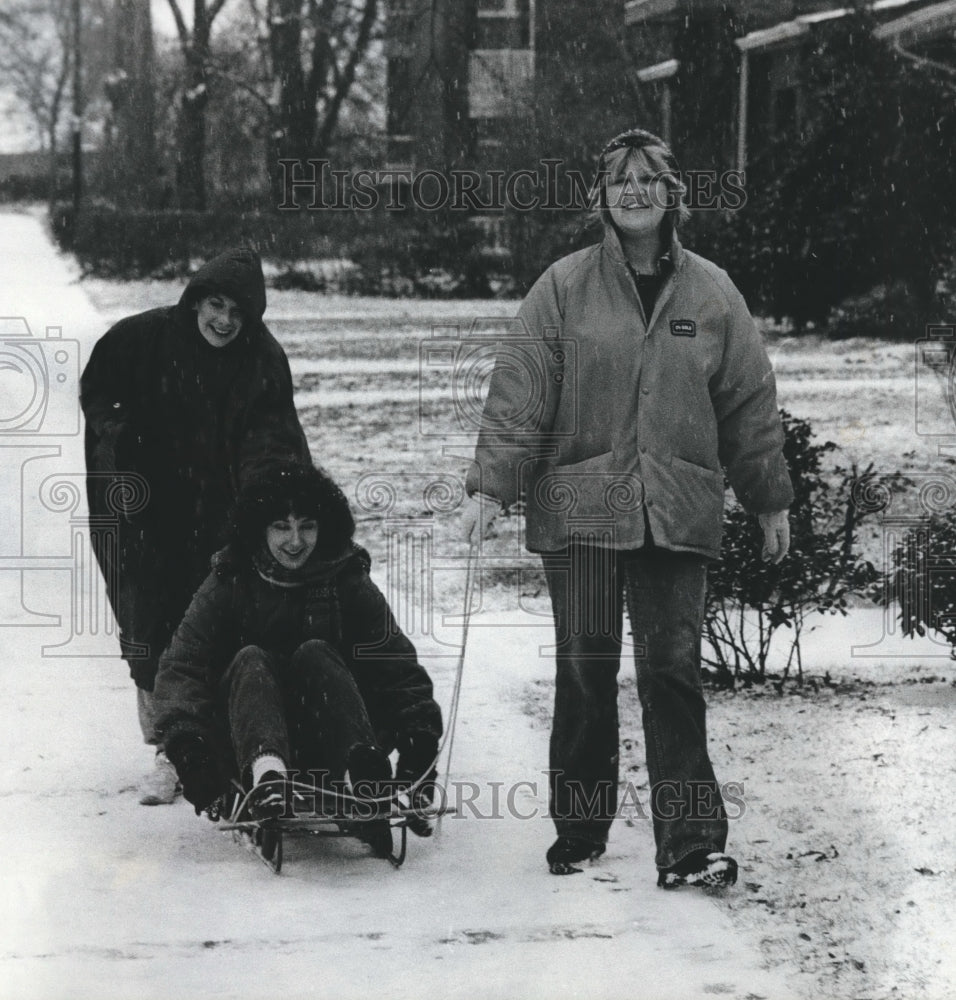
pixel 613 165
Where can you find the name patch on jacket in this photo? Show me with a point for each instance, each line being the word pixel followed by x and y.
pixel 683 328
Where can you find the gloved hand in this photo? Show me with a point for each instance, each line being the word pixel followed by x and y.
pixel 197 771
pixel 478 517
pixel 416 761
pixel 776 535
pixel 143 673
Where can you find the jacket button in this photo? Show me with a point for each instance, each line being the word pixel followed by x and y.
pixel 645 391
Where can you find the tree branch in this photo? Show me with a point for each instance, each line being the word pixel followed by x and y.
pixel 214 10
pixel 369 17
pixel 181 28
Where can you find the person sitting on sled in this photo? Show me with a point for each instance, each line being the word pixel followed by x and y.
pixel 289 663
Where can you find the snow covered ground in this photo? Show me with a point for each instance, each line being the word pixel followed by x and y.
pixel 845 845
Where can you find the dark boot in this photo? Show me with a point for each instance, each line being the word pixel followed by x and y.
pixel 566 851
pixel 370 778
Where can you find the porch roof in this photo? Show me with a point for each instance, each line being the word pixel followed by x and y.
pixel 788 33
pixel 928 24
pixel 659 71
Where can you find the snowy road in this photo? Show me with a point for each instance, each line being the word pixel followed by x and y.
pixel 104 898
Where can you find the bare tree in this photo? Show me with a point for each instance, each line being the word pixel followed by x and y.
pixel 195 43
pixel 37 58
pixel 310 56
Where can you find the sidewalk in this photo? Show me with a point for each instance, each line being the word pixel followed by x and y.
pixel 107 899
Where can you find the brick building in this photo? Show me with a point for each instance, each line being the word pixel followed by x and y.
pixel 772 39
pixel 460 70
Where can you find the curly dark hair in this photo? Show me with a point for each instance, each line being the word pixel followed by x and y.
pixel 284 488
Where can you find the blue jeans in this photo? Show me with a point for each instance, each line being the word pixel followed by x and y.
pixel 306 709
pixel 665 592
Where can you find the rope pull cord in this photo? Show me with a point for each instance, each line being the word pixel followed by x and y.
pixel 449 739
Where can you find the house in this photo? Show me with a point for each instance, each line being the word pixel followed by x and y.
pixel 772 41
pixel 454 69
pixel 463 76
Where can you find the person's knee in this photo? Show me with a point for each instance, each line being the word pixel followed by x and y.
pixel 249 659
pixel 319 657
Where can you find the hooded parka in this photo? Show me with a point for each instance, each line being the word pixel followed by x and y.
pixel 193 421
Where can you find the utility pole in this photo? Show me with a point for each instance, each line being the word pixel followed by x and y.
pixel 77 112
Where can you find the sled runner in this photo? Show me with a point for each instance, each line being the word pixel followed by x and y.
pixel 315 812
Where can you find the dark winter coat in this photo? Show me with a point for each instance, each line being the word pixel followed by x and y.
pixel 237 607
pixel 193 421
pixel 598 413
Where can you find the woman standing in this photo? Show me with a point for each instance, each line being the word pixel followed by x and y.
pixel 641 381
pixel 192 398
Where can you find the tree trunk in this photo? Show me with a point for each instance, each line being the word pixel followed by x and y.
pixel 293 127
pixel 191 152
pixel 131 92
pixel 191 138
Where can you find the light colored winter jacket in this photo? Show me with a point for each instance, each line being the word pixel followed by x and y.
pixel 593 413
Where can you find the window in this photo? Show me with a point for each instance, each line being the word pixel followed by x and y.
pixel 504 24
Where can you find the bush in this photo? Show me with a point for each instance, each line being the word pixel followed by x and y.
pixel 129 243
pixel 424 255
pixel 33 187
pixel 397 255
pixel 749 600
pixel 890 313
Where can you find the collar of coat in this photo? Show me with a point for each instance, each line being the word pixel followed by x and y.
pixel 671 260
pixel 318 568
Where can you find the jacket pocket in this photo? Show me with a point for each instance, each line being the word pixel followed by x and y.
pixel 593 488
pixel 692 504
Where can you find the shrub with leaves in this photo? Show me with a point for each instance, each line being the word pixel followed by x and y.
pixel 749 600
